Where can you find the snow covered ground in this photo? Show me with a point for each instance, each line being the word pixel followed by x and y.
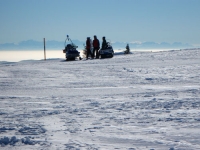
pixel 141 101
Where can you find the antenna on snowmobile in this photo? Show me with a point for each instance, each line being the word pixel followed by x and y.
pixel 69 39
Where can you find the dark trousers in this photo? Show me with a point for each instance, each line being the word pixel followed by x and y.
pixel 89 53
pixel 96 50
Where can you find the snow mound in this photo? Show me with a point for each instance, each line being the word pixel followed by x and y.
pixel 13 140
pixel 32 130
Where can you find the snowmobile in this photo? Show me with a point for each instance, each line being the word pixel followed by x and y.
pixel 106 53
pixel 70 50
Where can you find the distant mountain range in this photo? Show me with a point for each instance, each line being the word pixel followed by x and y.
pixel 58 45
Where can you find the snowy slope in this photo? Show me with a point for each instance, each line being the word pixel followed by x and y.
pixel 141 101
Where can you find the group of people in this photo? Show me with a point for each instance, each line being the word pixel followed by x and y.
pixel 95 46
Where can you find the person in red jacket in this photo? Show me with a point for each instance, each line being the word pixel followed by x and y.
pixel 88 47
pixel 96 47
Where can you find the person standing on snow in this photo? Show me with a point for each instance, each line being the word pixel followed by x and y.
pixel 96 47
pixel 104 43
pixel 127 51
pixel 91 49
pixel 88 47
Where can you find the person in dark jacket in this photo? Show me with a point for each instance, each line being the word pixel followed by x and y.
pixel 96 47
pixel 88 47
pixel 104 43
pixel 127 51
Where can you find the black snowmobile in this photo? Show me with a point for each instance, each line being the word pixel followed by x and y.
pixel 107 52
pixel 70 50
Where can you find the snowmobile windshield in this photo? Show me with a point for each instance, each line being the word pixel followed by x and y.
pixel 69 42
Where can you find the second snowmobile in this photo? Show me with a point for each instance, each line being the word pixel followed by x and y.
pixel 108 52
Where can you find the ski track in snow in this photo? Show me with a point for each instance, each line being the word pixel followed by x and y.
pixel 133 102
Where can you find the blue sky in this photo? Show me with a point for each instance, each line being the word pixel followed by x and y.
pixel 119 20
